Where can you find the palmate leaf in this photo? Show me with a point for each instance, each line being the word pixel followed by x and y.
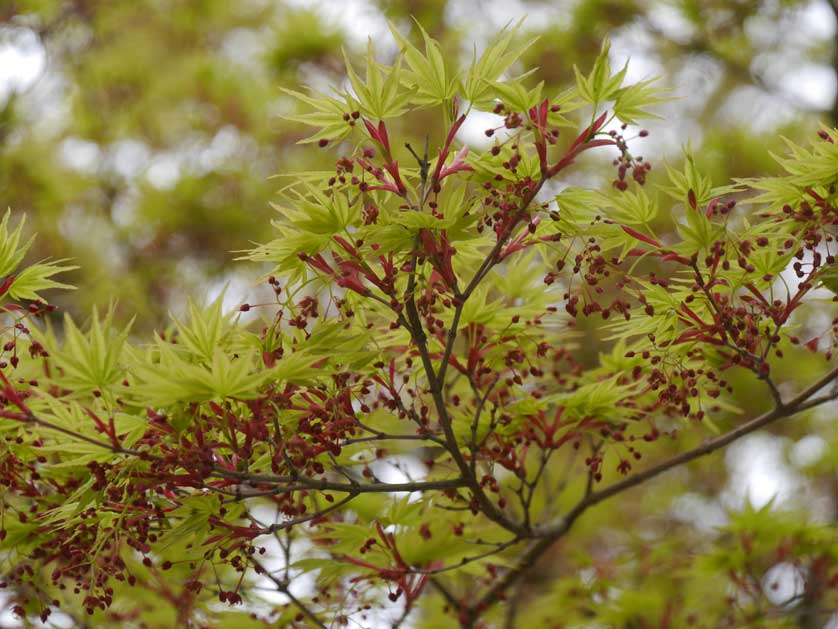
pixel 428 76
pixel 193 515
pixel 129 428
pixel 616 360
pixel 328 339
pixel 578 208
pixel 207 329
pixel 812 167
pixel 36 277
pixel 417 221
pixel 599 400
pixel 284 251
pixel 767 528
pixel 481 308
pixel 564 102
pixel 665 324
pixel 518 98
pixel 11 254
pixel 380 96
pixel 523 290
pixel 322 403
pixel 494 62
pixel 403 511
pixel 309 210
pixel 75 452
pixel 697 231
pixel 165 375
pixel 328 116
pixel 631 102
pixel 345 538
pixel 88 361
pixel 632 207
pixel 21 537
pixel 768 263
pixel 457 218
pixel 172 379
pixel 814 170
pixel 634 607
pixel 32 279
pixel 600 85
pixel 308 221
pixel 328 570
pixel 691 179
pixel 60 514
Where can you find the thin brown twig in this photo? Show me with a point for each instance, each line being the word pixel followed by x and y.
pixel 282 586
pixel 551 535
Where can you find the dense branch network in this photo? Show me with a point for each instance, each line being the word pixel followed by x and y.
pixel 422 316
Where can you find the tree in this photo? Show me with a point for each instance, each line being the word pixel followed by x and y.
pixel 414 428
pixel 171 169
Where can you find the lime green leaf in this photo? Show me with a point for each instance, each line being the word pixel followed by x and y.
pixel 173 379
pixel 11 255
pixel 599 85
pixel 35 278
pixel 690 186
pixel 633 207
pixel 88 361
pixel 630 102
pixel 207 329
pixel 516 96
pixel 328 116
pixel 428 75
pixel 495 60
pixel 379 96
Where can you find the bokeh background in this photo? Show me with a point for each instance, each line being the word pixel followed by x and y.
pixel 139 137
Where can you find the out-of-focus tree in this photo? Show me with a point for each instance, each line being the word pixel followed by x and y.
pixel 144 151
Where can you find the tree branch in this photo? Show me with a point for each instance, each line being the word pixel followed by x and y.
pixel 419 337
pixel 282 586
pixel 295 483
pixel 551 535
